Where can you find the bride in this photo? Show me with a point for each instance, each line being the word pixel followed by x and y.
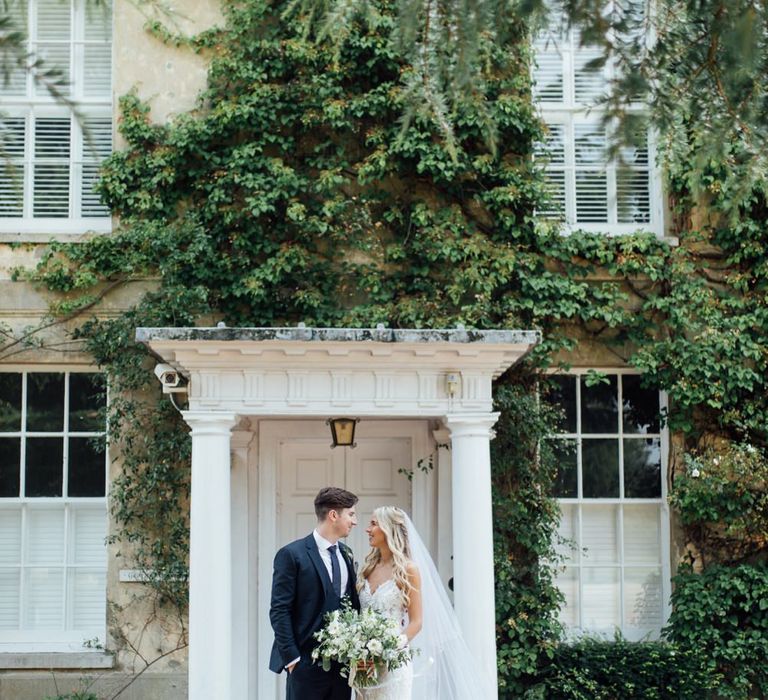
pixel 399 579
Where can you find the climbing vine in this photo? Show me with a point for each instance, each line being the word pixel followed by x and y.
pixel 293 194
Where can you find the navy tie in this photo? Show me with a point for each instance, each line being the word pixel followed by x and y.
pixel 335 571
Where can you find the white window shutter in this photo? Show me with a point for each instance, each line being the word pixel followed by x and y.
pixel 567 580
pixel 12 135
pixel 643 599
pixel 97 146
pixel 10 537
pixel 9 598
pixel 16 83
pixel 43 595
pixel 642 535
pixel 86 599
pixel 97 51
pixel 601 602
pixel 591 177
pixel 548 76
pixel 51 173
pixel 633 185
pixel 53 37
pixel 599 534
pixel 45 536
pixel 88 530
pixel 553 151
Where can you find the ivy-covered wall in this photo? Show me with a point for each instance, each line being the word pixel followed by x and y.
pixel 292 193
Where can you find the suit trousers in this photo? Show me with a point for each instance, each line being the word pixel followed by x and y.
pixel 308 681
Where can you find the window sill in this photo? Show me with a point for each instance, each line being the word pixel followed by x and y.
pixel 55 660
pixel 45 230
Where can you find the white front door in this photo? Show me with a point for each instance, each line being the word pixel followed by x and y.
pixel 296 461
pixel 374 470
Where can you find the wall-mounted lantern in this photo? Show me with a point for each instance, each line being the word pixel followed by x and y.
pixel 343 431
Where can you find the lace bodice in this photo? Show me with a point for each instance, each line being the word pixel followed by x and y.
pixel 387 599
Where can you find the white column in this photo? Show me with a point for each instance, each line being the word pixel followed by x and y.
pixel 444 505
pixel 243 683
pixel 473 579
pixel 210 557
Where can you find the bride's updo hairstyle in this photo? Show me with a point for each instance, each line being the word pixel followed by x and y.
pixel 392 522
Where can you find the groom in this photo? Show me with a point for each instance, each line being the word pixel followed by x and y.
pixel 311 576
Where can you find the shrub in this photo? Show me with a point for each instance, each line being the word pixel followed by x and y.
pixel 596 669
pixel 722 614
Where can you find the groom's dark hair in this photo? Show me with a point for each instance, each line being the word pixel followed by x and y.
pixel 333 498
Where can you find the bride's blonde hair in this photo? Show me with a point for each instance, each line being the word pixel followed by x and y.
pixel 392 522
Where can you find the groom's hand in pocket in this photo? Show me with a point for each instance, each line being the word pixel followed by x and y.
pixel 290 667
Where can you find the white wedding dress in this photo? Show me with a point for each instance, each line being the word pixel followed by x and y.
pixel 443 667
pixel 387 599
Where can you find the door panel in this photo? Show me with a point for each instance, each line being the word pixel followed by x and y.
pixel 373 473
pixel 305 466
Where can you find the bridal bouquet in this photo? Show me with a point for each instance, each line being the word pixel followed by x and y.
pixel 363 643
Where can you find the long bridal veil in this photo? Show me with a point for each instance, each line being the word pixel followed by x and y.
pixel 445 668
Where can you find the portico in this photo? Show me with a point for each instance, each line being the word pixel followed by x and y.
pixel 253 390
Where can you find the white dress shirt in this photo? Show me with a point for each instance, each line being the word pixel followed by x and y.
pixel 325 555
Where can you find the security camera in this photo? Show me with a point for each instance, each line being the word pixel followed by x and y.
pixel 169 376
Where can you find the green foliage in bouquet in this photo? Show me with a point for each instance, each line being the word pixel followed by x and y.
pixel 363 643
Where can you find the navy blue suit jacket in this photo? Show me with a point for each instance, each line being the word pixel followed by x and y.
pixel 302 594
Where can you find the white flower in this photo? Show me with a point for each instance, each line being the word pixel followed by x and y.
pixel 695 473
pixel 751 449
pixel 375 647
pixel 716 460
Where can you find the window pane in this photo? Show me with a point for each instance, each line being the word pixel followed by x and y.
pixel 601 598
pixel 599 407
pixel 44 469
pixel 565 485
pixel 45 402
pixel 45 536
pixel 86 468
pixel 642 535
pixel 643 608
pixel 87 399
pixel 642 468
pixel 10 456
pixel 548 73
pixel 589 82
pixel 561 392
pixel 87 599
pixel 51 196
pixel 600 468
pixel 98 21
pixel 10 537
pixel 10 401
pixel 599 531
pixel 640 409
pixel 633 192
pixel 54 20
pixel 15 83
pixel 591 197
pixel 43 593
pixel 97 78
pixel 567 544
pixel 9 599
pixel 568 583
pixel 88 530
pixel 12 133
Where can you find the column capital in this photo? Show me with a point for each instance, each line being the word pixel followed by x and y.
pixel 210 422
pixel 471 424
